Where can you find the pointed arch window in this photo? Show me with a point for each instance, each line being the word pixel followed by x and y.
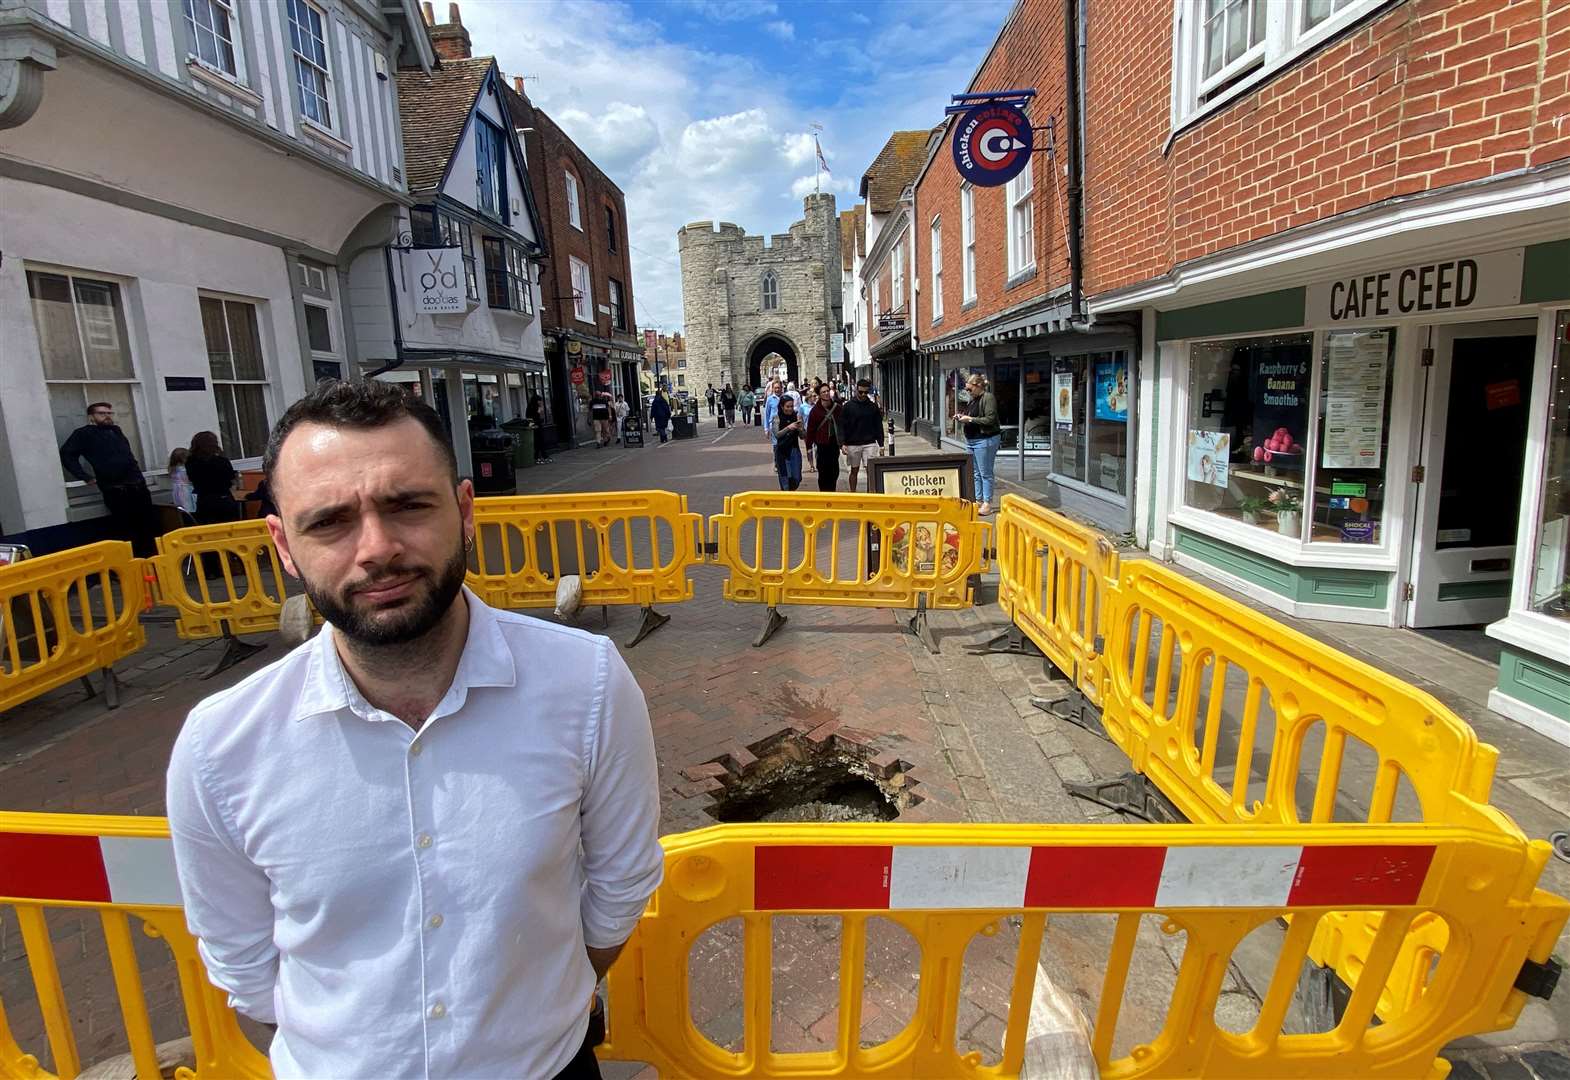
pixel 771 291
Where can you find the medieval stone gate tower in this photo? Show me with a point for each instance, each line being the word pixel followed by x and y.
pixel 747 297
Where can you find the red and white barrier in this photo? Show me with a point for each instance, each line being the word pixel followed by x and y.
pixel 133 871
pixel 883 877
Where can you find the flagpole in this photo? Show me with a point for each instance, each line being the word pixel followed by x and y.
pixel 817 164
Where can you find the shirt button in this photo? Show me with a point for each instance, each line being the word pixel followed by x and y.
pixel 414 749
pixel 425 840
pixel 438 1011
pixel 436 921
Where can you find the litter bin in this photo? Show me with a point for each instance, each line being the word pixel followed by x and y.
pixel 682 426
pixel 522 432
pixel 492 453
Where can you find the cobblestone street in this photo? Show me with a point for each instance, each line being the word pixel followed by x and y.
pixel 961 729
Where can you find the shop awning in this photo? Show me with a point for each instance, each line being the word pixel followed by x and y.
pixel 1048 315
pixel 895 343
pixel 474 361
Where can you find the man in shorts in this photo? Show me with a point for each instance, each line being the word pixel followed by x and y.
pixel 861 429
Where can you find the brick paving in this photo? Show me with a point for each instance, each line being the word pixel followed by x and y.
pixel 962 728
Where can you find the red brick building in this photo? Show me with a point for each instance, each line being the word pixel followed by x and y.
pixel 1321 349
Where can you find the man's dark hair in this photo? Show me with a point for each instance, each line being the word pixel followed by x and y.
pixel 863 384
pixel 362 406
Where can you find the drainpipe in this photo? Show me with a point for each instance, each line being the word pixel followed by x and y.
pixel 1071 61
pixel 397 320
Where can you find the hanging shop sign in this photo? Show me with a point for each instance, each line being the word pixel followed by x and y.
pixel 836 349
pixel 605 377
pixel 992 144
pixel 578 376
pixel 439 287
pixel 1455 283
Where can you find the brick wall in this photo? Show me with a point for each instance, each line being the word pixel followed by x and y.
pixel 1029 53
pixel 551 155
pixel 1426 94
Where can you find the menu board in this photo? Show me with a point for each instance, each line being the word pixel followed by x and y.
pixel 1356 368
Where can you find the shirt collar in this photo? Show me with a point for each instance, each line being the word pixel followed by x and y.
pixel 486 661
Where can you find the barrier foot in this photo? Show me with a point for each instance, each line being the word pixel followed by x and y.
pixel 1012 641
pixel 1319 1000
pixel 235 652
pixel 605 616
pixel 1130 794
pixel 111 689
pixel 1076 709
pixel 772 622
pixel 652 621
pixel 918 625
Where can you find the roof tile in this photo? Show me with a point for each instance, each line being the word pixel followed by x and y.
pixel 894 169
pixel 433 110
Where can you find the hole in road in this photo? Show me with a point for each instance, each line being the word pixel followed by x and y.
pixel 795 780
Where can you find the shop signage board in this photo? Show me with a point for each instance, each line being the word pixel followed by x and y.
pixel 948 476
pixel 439 287
pixel 1112 390
pixel 992 144
pixel 1209 455
pixel 1063 399
pixel 1280 395
pixel 836 349
pixel 578 376
pixel 1459 282
pixel 605 377
pixel 1356 366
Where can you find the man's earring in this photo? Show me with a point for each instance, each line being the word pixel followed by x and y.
pixel 468 542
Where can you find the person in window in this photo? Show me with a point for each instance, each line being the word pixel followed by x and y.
pixel 180 481
pixel 537 416
pixel 788 429
pixel 117 475
pixel 983 434
pixel 660 413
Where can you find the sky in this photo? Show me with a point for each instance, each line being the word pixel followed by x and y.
pixel 703 109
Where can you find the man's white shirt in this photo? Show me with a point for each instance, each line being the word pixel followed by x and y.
pixel 417 904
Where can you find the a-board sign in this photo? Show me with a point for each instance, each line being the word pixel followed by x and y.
pixel 949 476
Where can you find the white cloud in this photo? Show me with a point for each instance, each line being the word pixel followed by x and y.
pixel 692 131
pixel 781 29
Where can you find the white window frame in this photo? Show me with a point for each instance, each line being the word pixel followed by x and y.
pixel 134 390
pixel 582 290
pixel 193 34
pixel 936 245
pixel 1285 40
pixel 334 352
pixel 311 66
pixel 1021 207
pixel 574 204
pixel 265 382
pixel 618 299
pixel 877 289
pixel 897 276
pixel 967 241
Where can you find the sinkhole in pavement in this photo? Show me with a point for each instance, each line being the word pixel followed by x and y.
pixel 795 781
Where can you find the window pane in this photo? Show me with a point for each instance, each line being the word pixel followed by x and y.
pixel 228 419
pixel 1248 407
pixel 1355 369
pixel 55 321
pixel 103 329
pixel 1256 22
pixel 1069 434
pixel 1315 12
pixel 422 227
pixel 495 272
pixel 250 404
pixel 216 333
pixel 1213 44
pixel 1106 452
pixel 124 401
pixel 245 342
pixel 68 408
pixel 1237 29
pixel 318 328
pixel 1551 570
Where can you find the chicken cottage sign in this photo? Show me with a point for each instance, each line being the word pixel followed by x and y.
pixel 992 143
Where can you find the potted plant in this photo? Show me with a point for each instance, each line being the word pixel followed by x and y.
pixel 1252 507
pixel 1289 521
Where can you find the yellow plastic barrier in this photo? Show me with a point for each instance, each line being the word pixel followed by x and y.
pixel 944 884
pixel 252 589
pixel 1052 578
pixel 627 547
pixel 795 547
pixel 55 628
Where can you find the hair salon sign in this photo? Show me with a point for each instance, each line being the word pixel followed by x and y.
pixel 1445 284
pixel 439 281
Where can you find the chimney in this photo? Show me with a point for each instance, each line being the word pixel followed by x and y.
pixel 430 14
pixel 450 38
pixel 517 84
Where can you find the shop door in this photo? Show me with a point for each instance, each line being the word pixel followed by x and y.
pixel 1473 451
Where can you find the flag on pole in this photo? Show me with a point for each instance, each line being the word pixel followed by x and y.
pixel 823 162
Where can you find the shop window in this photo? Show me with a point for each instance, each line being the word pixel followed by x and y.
pixel 1551 570
pixel 1355 371
pixel 1244 454
pixel 234 359
pixel 1083 409
pixel 86 352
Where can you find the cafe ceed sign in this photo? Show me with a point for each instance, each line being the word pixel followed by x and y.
pixel 1455 283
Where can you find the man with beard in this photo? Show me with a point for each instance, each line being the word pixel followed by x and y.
pixel 416 842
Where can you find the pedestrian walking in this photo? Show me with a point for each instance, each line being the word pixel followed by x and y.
pixel 771 406
pixel 600 412
pixel 728 404
pixel 983 434
pixel 788 430
pixel 823 437
pixel 622 409
pixel 180 481
pixel 213 478
pixel 660 413
pixel 395 948
pixel 711 394
pixel 861 429
pixel 746 401
pixel 539 418
pixel 117 475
